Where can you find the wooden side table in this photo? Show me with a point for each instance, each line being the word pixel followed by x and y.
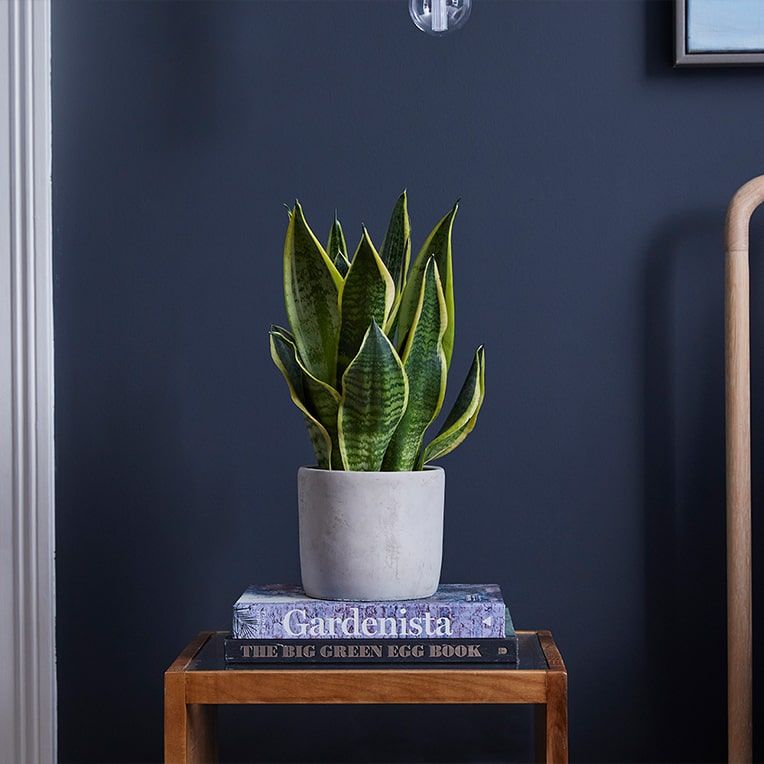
pixel 198 681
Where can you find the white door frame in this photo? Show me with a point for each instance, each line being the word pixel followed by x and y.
pixel 27 592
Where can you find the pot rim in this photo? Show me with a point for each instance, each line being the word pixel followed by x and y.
pixel 427 468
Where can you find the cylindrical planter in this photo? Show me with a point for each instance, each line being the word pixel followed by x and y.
pixel 371 535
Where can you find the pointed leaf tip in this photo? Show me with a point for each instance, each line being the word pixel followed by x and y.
pixel 368 293
pixel 438 243
pixel 425 366
pixel 396 252
pixel 374 397
pixel 463 416
pixel 311 288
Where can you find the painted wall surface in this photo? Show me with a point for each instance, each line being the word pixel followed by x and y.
pixel 594 180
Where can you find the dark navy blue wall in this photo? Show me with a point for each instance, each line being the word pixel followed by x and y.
pixel 594 179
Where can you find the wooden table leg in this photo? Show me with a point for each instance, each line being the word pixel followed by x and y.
pixel 189 730
pixel 556 718
pixel 539 730
pixel 201 740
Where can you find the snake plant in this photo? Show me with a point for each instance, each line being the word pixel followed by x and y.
pixel 370 344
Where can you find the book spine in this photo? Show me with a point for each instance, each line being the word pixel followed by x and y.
pixel 326 619
pixel 385 651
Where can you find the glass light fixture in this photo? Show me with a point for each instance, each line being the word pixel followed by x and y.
pixel 440 17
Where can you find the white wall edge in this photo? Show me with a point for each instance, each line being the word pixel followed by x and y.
pixel 27 530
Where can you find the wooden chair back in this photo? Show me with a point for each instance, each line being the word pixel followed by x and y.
pixel 738 429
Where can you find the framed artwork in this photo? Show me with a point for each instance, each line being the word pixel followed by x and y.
pixel 719 32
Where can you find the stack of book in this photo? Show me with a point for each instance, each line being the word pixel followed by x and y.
pixel 460 623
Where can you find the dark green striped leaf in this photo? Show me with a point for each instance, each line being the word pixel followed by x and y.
pixel 438 243
pixel 461 420
pixel 337 247
pixel 374 397
pixel 367 294
pixel 283 354
pixel 425 366
pixel 311 293
pixel 321 400
pixel 396 248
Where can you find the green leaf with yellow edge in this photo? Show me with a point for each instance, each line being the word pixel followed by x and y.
pixel 321 400
pixel 396 248
pixel 337 247
pixel 374 397
pixel 425 364
pixel 311 291
pixel 367 295
pixel 463 416
pixel 438 243
pixel 283 354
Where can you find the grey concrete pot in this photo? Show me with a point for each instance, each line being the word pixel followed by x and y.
pixel 371 535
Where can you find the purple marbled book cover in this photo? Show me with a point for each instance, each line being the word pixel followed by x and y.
pixel 282 611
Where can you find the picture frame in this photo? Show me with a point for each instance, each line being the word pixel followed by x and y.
pixel 711 33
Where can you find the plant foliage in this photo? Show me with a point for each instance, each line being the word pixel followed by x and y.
pixel 371 341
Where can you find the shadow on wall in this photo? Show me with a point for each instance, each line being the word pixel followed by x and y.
pixel 757 449
pixel 659 38
pixel 684 485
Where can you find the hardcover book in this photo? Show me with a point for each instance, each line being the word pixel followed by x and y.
pixel 455 611
pixel 350 651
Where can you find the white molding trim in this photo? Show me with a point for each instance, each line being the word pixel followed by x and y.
pixel 27 586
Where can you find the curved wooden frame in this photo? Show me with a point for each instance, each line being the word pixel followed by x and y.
pixel 738 424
